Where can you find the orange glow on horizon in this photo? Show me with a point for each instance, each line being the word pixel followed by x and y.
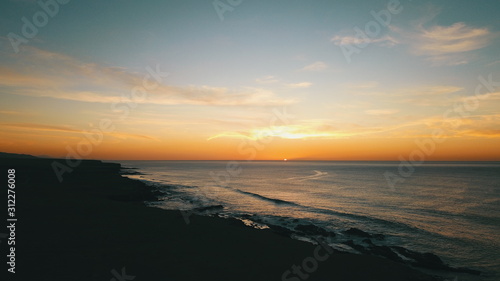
pixel 240 149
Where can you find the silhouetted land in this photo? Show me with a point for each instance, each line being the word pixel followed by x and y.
pixel 95 221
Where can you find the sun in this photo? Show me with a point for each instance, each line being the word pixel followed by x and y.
pixel 285 159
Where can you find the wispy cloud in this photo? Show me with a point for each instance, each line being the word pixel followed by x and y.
pixel 206 95
pixel 266 80
pixel 68 130
pixel 362 85
pixel 432 95
pixel 343 40
pixel 313 129
pixel 63 77
pixel 40 127
pixel 445 45
pixel 381 112
pixel 439 44
pixel 15 113
pixel 316 66
pixel 428 96
pixel 165 95
pixel 482 125
pixel 284 132
pixel 434 90
pixel 471 126
pixel 489 96
pixel 299 85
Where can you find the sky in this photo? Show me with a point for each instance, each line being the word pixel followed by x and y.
pixel 251 80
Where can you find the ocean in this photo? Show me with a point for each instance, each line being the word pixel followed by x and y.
pixel 450 209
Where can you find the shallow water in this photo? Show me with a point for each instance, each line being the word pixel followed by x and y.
pixel 451 209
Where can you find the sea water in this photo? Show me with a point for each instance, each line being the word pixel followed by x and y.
pixel 451 209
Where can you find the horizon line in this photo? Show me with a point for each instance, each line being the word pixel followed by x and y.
pixel 246 160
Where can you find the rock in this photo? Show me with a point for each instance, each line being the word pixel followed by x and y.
pixel 357 232
pixel 426 260
pixel 280 230
pixel 361 233
pixel 208 208
pixel 368 241
pixel 431 261
pixel 311 229
pixel 386 252
pixel 356 247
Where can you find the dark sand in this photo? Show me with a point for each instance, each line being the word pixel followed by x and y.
pixel 95 221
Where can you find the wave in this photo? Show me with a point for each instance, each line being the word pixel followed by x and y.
pixel 157 183
pixel 355 217
pixel 258 196
pixel 199 202
pixel 317 175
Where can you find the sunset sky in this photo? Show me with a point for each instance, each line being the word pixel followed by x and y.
pixel 241 79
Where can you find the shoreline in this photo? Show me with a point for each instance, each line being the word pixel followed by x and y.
pixel 349 240
pixel 95 224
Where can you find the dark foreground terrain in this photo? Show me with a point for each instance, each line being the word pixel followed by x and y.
pixel 94 226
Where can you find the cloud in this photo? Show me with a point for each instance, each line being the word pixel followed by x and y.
pixel 41 68
pixel 311 129
pixel 470 126
pixel 486 133
pixel 385 41
pixel 317 66
pixel 434 95
pixel 284 132
pixel 17 113
pixel 398 122
pixel 428 96
pixel 266 80
pixel 300 85
pixel 436 90
pixel 490 96
pixel 41 127
pixel 12 78
pixel 205 95
pixel 166 95
pixel 68 129
pixel 456 38
pixel 481 126
pixel 362 85
pixel 41 73
pixel 446 45
pixel 379 112
pixel 439 44
pixel 427 91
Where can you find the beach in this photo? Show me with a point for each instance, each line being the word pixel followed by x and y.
pixel 94 225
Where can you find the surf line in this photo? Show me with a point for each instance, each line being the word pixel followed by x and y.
pixel 318 174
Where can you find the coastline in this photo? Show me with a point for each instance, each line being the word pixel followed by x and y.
pixel 95 224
